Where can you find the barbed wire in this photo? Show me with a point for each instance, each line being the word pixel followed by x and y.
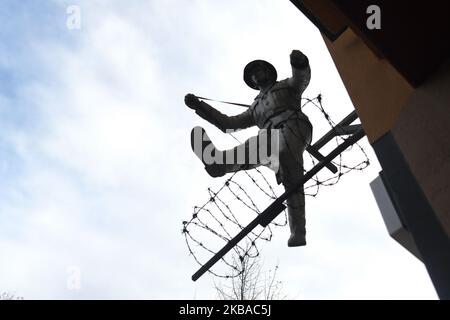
pixel 215 221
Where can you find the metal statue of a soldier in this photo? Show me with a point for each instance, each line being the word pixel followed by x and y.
pixel 277 106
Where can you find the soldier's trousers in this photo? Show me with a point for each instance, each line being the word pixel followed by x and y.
pixel 285 156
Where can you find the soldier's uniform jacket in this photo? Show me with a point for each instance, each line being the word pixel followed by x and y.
pixel 270 109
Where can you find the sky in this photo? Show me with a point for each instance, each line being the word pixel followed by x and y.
pixel 96 169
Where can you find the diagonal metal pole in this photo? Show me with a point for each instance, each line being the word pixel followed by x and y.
pixel 334 131
pixel 342 128
pixel 316 154
pixel 271 212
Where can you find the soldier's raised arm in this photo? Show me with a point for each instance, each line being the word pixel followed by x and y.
pixel 215 117
pixel 301 72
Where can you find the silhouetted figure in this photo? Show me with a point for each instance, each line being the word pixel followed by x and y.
pixel 277 106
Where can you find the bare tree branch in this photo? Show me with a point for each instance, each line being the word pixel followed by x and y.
pixel 251 283
pixel 9 296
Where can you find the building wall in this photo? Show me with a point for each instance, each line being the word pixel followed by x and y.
pixel 422 132
pixel 327 13
pixel 376 89
pixel 418 118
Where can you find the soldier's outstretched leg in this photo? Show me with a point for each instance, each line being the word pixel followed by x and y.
pixel 256 151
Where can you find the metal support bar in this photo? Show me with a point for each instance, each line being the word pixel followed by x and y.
pixel 332 133
pixel 277 206
pixel 341 129
pixel 347 130
pixel 316 154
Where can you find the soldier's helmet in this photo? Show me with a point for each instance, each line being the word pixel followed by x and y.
pixel 254 65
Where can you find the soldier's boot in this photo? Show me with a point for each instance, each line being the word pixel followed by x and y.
pixel 296 218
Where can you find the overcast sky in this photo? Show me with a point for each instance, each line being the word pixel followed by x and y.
pixel 96 169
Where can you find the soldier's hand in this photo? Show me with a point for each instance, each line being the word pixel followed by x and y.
pixel 192 101
pixel 298 59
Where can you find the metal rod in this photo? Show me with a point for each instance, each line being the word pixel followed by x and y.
pixel 316 154
pixel 332 133
pixel 226 102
